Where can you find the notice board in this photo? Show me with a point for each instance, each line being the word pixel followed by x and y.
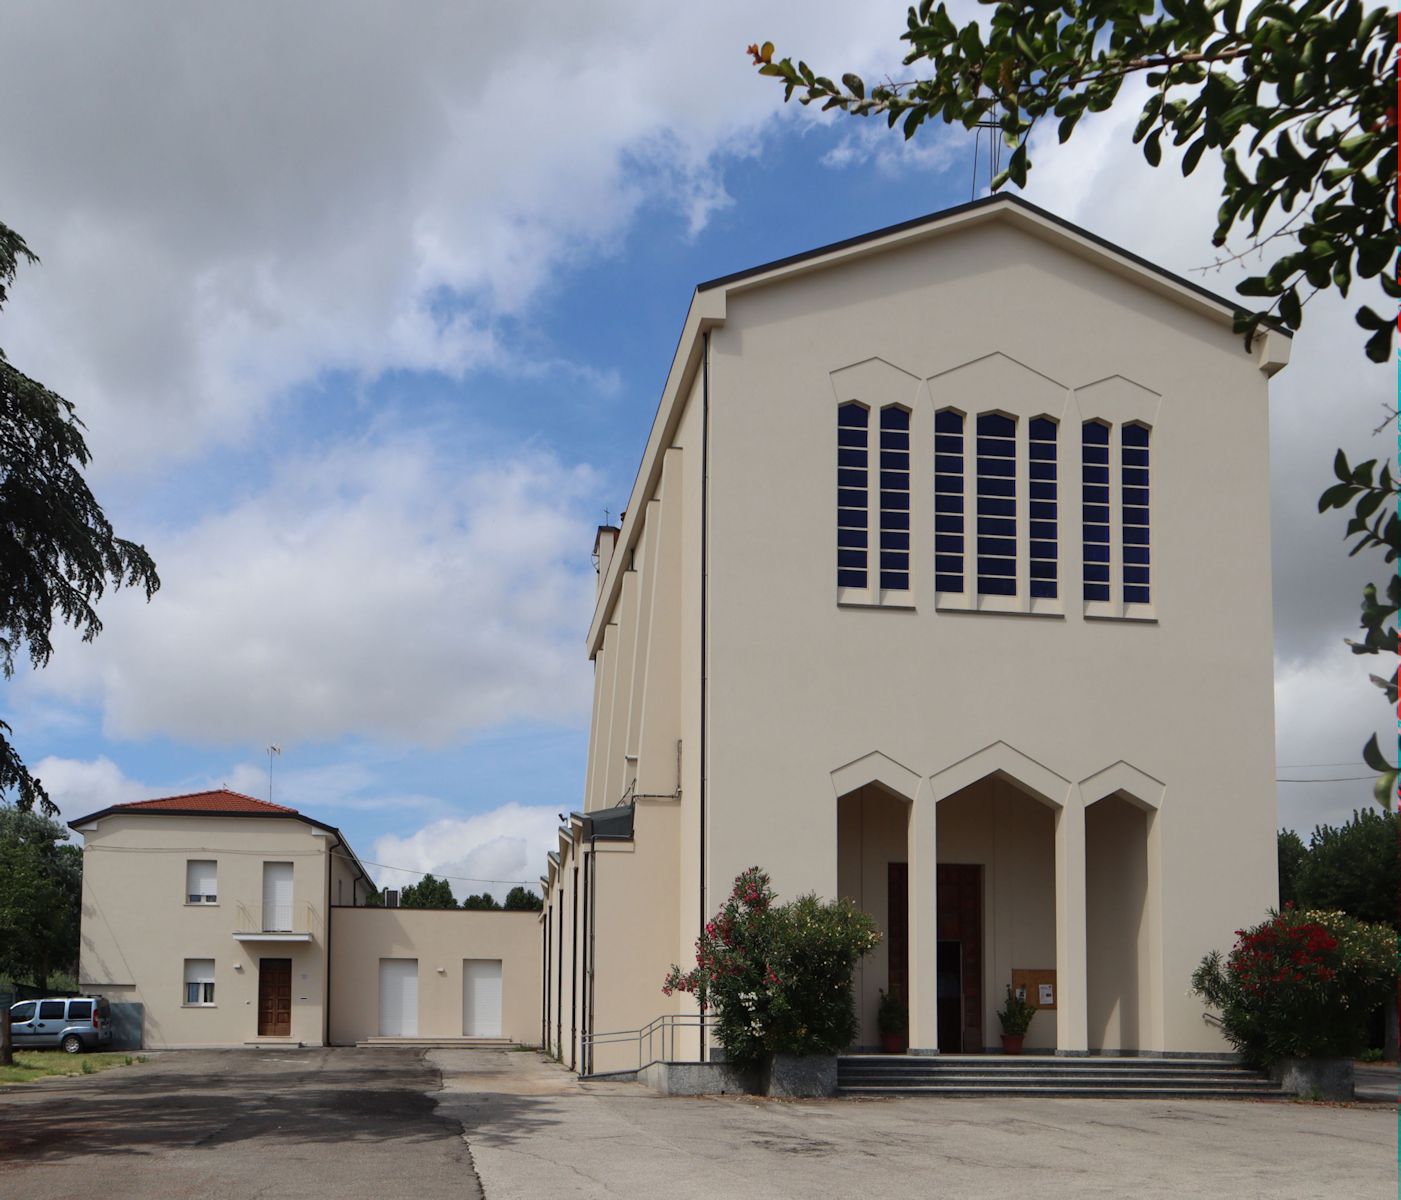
pixel 1038 987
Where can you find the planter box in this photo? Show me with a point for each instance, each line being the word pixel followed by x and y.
pixel 799 1076
pixel 1315 1078
pixel 699 1079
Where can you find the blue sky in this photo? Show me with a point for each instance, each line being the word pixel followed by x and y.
pixel 366 355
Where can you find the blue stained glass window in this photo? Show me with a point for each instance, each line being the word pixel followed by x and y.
pixel 948 501
pixel 1134 493
pixel 997 491
pixel 1094 513
pixel 853 421
pixel 895 498
pixel 1041 446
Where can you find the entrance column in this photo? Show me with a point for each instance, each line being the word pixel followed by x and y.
pixel 1072 984
pixel 923 923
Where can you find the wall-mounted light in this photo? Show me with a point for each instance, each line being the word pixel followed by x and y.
pixel 238 966
pixel 442 970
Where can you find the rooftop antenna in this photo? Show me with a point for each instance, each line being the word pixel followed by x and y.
pixel 273 752
pixel 994 155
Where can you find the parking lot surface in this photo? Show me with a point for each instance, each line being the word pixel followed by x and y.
pixel 414 1124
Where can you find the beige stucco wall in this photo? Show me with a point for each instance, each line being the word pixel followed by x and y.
pixel 802 686
pixel 137 929
pixel 440 940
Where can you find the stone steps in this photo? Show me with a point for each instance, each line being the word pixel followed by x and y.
pixel 440 1042
pixel 1045 1075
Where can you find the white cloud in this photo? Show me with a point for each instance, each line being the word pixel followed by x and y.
pixel 80 786
pixel 505 845
pixel 231 201
pixel 387 590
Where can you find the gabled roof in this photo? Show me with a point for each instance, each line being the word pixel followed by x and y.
pixel 708 308
pixel 218 802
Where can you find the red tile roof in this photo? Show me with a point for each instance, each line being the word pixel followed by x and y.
pixel 221 801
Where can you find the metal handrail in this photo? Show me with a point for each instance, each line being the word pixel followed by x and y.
pixel 656 1041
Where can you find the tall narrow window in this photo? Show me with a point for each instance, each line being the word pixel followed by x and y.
pixel 853 469
pixel 948 501
pixel 1094 495
pixel 1042 503
pixel 895 498
pixel 1134 480
pixel 997 505
pixel 201 881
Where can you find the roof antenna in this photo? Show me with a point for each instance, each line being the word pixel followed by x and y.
pixel 273 751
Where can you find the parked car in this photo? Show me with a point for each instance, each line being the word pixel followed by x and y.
pixel 74 1023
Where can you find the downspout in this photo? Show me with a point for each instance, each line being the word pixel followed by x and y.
pixel 574 973
pixel 326 993
pixel 590 917
pixel 559 976
pixel 704 618
pixel 545 983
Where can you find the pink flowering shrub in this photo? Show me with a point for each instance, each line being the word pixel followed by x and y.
pixel 1300 985
pixel 778 977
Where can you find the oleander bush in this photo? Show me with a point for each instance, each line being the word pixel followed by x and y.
pixel 778 977
pixel 1300 985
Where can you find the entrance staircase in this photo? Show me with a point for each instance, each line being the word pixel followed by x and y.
pixel 1046 1075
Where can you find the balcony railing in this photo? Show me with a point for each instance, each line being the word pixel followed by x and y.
pixel 275 922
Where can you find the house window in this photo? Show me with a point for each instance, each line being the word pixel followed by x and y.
pixel 853 472
pixel 997 505
pixel 1041 486
pixel 1134 497
pixel 948 501
pixel 199 981
pixel 1094 496
pixel 895 498
pixel 201 881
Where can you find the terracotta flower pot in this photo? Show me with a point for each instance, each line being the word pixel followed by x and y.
pixel 892 1043
pixel 1012 1043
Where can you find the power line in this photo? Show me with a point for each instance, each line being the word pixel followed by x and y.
pixel 1334 779
pixel 419 871
pixel 1302 766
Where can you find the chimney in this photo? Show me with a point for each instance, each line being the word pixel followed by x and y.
pixel 391 897
pixel 603 546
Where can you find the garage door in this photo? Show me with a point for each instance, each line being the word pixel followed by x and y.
pixel 481 997
pixel 398 997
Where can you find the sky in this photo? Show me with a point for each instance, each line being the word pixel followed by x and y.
pixel 367 309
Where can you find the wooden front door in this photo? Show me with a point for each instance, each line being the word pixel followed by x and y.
pixel 274 997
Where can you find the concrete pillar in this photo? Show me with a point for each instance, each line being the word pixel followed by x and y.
pixel 923 924
pixel 1072 1008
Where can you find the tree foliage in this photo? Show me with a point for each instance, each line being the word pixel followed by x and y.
pixel 522 899
pixel 1293 857
pixel 41 880
pixel 1301 984
pixel 428 893
pixel 482 902
pixel 778 977
pixel 1298 101
pixel 1354 868
pixel 58 551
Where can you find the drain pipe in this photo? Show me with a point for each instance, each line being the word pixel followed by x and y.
pixel 704 624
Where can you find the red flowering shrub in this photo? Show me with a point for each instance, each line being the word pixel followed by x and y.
pixel 778 977
pixel 1300 985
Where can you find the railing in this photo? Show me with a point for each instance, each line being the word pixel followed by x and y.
pixel 274 918
pixel 655 1042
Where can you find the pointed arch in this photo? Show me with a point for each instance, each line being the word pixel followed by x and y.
pixel 1121 778
pixel 1008 763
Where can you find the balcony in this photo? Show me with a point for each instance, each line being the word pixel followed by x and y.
pixel 274 922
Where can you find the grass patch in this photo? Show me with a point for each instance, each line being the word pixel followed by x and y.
pixel 36 1064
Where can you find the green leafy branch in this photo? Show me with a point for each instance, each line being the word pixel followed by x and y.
pixel 1375 525
pixel 1305 89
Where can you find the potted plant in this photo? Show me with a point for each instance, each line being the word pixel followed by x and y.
pixel 1015 1018
pixel 893 1020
